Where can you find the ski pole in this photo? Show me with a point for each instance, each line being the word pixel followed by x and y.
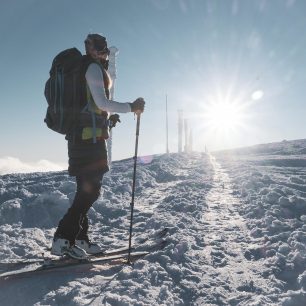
pixel 134 185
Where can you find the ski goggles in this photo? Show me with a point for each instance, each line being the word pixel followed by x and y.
pixel 102 52
pixel 99 46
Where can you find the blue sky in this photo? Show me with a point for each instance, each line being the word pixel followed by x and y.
pixel 195 51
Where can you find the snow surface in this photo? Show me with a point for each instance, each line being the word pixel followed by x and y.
pixel 237 231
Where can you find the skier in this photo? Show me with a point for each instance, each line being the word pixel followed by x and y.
pixel 88 154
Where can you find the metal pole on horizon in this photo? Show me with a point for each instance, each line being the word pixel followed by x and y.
pixel 133 186
pixel 180 130
pixel 186 135
pixel 167 137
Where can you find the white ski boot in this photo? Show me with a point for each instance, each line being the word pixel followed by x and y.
pixel 89 247
pixel 62 247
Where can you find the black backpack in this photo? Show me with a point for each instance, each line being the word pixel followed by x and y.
pixel 64 91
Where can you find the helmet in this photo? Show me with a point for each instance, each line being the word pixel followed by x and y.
pixel 96 41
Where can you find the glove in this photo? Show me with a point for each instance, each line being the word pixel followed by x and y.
pixel 113 120
pixel 138 105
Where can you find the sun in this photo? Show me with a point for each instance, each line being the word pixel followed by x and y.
pixel 228 113
pixel 223 115
pixel 226 117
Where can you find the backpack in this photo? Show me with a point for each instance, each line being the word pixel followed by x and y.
pixel 64 91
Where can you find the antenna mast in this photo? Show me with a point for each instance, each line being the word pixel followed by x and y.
pixel 167 131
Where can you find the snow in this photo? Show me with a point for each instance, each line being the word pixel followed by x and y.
pixel 237 231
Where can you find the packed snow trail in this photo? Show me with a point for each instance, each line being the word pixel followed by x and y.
pixel 227 238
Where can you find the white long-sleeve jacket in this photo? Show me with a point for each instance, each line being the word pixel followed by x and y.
pixel 94 78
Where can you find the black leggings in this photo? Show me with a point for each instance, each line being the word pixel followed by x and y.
pixel 74 224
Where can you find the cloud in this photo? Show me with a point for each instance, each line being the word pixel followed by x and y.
pixel 14 165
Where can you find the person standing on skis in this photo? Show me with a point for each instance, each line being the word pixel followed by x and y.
pixel 87 151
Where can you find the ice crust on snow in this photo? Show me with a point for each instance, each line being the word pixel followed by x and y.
pixel 237 231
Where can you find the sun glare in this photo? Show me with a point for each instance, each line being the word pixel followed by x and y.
pixel 227 116
pixel 223 116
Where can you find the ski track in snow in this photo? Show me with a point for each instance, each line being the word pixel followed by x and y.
pixel 223 216
pixel 227 238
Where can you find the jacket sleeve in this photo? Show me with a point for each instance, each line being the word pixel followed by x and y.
pixel 94 79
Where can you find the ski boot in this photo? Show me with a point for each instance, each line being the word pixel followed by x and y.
pixel 89 247
pixel 62 247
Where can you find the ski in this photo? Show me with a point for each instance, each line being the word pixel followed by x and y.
pixel 8 266
pixel 66 262
pixel 70 262
pixel 142 243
